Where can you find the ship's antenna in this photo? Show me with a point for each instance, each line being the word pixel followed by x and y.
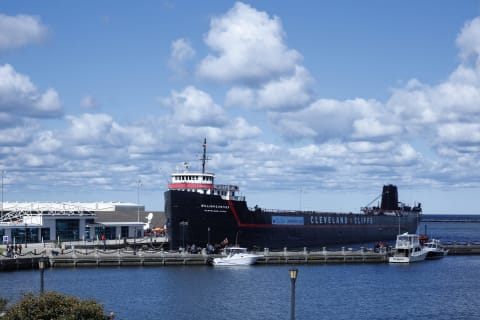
pixel 204 157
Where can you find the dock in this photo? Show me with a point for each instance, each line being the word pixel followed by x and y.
pixel 78 258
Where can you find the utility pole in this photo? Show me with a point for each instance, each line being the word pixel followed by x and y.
pixel 139 184
pixel 3 173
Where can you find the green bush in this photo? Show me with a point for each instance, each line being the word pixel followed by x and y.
pixel 51 306
pixel 3 304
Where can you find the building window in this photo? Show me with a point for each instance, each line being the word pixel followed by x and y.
pixel 45 233
pixel 18 235
pixel 124 232
pixel 67 229
pixel 110 233
pixel 32 235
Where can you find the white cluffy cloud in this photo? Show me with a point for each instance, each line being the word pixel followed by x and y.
pixel 279 94
pixel 194 113
pixel 248 45
pixel 19 97
pixel 195 107
pixel 89 102
pixel 20 30
pixel 181 53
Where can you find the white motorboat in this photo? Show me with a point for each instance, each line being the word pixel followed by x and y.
pixel 435 249
pixel 236 257
pixel 408 249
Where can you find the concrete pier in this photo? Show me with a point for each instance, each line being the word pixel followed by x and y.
pixel 77 258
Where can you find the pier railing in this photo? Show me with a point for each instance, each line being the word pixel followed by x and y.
pixel 96 257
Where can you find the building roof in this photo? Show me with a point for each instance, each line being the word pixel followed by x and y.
pixel 69 206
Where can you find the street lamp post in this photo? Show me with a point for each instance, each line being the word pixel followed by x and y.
pixel 104 236
pixel 41 266
pixel 183 224
pixel 3 173
pixel 293 278
pixel 135 241
pixel 139 184
pixel 208 242
pixel 26 235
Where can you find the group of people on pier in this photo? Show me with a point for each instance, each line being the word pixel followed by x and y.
pixel 14 250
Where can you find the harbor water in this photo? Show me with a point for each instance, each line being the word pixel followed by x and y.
pixel 442 289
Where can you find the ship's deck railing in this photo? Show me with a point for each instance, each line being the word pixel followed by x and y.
pixel 300 212
pixel 227 187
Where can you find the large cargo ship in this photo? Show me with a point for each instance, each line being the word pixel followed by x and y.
pixel 200 212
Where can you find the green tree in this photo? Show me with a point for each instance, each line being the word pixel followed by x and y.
pixel 3 304
pixel 52 305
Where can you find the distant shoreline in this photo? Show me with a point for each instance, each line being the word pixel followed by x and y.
pixel 450 218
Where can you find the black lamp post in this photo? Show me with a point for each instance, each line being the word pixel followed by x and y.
pixel 293 278
pixel 135 241
pixel 104 239
pixel 183 224
pixel 26 235
pixel 41 266
pixel 208 242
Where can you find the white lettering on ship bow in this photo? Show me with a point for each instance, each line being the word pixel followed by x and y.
pixel 214 208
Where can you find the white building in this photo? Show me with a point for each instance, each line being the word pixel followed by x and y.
pixel 29 222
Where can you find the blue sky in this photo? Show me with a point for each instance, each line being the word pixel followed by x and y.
pixel 304 104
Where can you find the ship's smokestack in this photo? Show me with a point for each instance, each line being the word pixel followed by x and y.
pixel 389 198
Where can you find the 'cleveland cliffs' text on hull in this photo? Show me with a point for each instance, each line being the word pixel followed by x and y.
pixel 200 212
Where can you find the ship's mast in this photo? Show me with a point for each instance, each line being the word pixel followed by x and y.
pixel 204 157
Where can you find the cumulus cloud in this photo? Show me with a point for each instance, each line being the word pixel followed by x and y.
pixel 459 133
pixel 181 52
pixel 249 46
pixel 20 30
pixel 90 128
pixel 450 110
pixel 194 113
pixel 326 119
pixel 283 93
pixel 20 97
pixel 443 117
pixel 468 41
pixel 371 128
pixel 89 102
pixel 195 107
pixel 17 136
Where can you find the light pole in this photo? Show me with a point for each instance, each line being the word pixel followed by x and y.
pixel 139 184
pixel 104 236
pixel 26 235
pixel 41 266
pixel 3 173
pixel 183 224
pixel 135 241
pixel 293 278
pixel 208 242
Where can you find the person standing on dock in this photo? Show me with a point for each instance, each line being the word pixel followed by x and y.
pixel 9 251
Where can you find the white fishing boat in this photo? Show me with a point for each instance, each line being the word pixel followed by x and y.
pixel 236 257
pixel 435 249
pixel 408 249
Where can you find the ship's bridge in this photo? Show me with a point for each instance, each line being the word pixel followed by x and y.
pixel 190 181
pixel 203 183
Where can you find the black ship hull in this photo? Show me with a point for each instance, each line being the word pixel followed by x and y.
pixel 196 218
